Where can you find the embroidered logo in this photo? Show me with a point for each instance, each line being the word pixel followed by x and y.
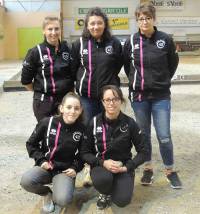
pixel 65 56
pixel 45 57
pixel 77 136
pixel 53 131
pixel 99 129
pixel 136 46
pixel 85 51
pixel 124 128
pixel 109 49
pixel 160 43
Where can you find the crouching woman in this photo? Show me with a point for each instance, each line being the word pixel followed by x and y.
pixel 107 149
pixel 54 145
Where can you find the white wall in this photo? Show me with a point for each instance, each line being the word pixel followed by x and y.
pixel 70 12
pixel 182 21
pixel 32 5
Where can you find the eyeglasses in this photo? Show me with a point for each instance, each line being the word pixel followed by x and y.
pixel 113 100
pixel 147 19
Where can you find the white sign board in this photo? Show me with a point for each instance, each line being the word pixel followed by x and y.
pixel 178 21
pixel 168 4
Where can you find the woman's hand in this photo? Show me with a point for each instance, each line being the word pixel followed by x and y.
pixel 46 165
pixel 114 166
pixel 70 172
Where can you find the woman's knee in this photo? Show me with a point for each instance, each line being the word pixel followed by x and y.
pixel 62 200
pixel 26 182
pixel 101 179
pixel 34 179
pixel 63 189
pixel 121 202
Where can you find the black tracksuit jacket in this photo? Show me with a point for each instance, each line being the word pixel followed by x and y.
pixel 95 64
pixel 50 71
pixel 114 139
pixel 150 63
pixel 56 142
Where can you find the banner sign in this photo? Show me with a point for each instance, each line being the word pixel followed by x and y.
pixel 169 4
pixel 110 10
pixel 119 23
pixel 178 21
pixel 115 23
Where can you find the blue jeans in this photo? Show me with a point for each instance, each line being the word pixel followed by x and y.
pixel 36 178
pixel 160 111
pixel 91 108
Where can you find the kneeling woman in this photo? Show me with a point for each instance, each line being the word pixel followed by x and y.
pixel 54 145
pixel 107 149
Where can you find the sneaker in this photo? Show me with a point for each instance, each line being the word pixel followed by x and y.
pixel 147 178
pixel 103 201
pixel 174 180
pixel 57 210
pixel 48 205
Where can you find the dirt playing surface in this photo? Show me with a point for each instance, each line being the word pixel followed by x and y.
pixel 17 123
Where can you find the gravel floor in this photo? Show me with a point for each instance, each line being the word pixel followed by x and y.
pixel 17 123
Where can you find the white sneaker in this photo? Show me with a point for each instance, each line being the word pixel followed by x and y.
pixel 48 205
pixel 57 209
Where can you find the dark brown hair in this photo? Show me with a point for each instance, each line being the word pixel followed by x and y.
pixel 76 96
pixel 96 11
pixel 117 92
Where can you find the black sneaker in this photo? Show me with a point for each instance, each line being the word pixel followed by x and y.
pixel 103 201
pixel 147 178
pixel 174 180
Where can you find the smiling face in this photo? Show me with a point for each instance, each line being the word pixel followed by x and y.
pixel 71 110
pixel 52 32
pixel 96 26
pixel 112 104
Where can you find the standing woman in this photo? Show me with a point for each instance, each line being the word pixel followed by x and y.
pixel 54 145
pixel 46 70
pixel 96 60
pixel 150 61
pixel 107 149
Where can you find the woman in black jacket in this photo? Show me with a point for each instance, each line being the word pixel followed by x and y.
pixel 150 61
pixel 107 149
pixel 46 70
pixel 96 60
pixel 54 145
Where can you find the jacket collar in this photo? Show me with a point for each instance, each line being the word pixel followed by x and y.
pixel 52 47
pixel 152 36
pixel 110 122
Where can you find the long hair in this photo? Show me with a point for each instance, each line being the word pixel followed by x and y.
pixel 96 11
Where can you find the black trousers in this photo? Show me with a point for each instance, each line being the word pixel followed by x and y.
pixel 45 106
pixel 120 186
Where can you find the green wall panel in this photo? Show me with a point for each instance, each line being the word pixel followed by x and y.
pixel 27 38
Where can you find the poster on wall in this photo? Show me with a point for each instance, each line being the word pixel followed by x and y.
pixel 107 10
pixel 115 23
pixel 168 4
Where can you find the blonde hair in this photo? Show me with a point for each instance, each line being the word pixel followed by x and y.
pixel 48 19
